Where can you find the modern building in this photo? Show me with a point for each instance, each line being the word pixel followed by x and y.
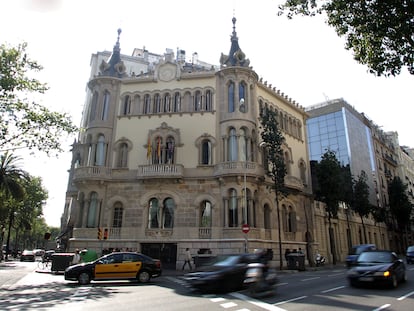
pixel 336 126
pixel 169 157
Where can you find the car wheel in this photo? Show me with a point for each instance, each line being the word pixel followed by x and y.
pixel 144 276
pixel 394 281
pixel 84 278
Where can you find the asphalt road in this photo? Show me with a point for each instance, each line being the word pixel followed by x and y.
pixel 22 288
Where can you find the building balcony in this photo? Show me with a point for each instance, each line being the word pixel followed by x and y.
pixel 160 171
pixel 92 172
pixel 238 169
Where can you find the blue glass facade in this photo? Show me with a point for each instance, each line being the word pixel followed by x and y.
pixel 328 132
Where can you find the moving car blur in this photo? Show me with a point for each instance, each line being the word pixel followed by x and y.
pixel 27 255
pixel 115 266
pixel 409 255
pixel 356 250
pixel 382 268
pixel 227 273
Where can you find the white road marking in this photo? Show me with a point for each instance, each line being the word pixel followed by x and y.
pixel 382 307
pixel 290 300
pixel 332 289
pixel 228 305
pixel 405 296
pixel 310 279
pixel 258 303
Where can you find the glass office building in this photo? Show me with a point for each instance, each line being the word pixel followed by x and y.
pixel 337 126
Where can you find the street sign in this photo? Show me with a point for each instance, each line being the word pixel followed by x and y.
pixel 245 228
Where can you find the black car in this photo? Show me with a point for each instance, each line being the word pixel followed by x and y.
pixel 382 268
pixel 409 256
pixel 226 274
pixel 115 266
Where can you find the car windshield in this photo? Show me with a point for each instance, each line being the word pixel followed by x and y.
pixel 227 261
pixel 375 257
pixel 410 249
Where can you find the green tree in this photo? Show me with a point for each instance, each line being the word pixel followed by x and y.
pixel 11 189
pixel 361 204
pixel 379 33
pixel 329 180
pixel 23 122
pixel 272 140
pixel 400 207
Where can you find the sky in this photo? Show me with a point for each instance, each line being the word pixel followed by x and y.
pixel 303 57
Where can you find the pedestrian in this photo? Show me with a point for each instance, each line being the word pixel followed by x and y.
pixel 187 259
pixel 76 257
pixel 287 252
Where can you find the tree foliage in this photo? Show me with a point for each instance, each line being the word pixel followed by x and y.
pixel 23 122
pixel 379 33
pixel 273 139
pixel 329 177
pixel 400 206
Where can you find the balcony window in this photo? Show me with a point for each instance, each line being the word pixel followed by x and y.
pixel 233 209
pixel 105 105
pixel 92 210
pixel 118 214
pixel 168 213
pixel 153 215
pixel 230 95
pixel 205 215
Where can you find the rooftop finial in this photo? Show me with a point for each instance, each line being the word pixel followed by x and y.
pixel 119 34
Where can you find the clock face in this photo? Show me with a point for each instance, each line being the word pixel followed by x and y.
pixel 166 73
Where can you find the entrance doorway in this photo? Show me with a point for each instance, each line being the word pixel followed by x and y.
pixel 166 252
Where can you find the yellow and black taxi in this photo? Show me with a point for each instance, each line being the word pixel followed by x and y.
pixel 115 266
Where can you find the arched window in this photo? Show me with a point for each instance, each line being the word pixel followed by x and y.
pixel 126 107
pixel 206 152
pixel 168 213
pixel 205 214
pixel 167 103
pixel 157 103
pixel 233 210
pixel 208 101
pixel 94 106
pixel 291 220
pixel 147 104
pixel 123 155
pixel 118 215
pixel 242 97
pixel 105 106
pixel 243 145
pixel 177 102
pixel 287 163
pixel 92 210
pixel 153 214
pixel 100 151
pixel 170 150
pixel 232 145
pixel 230 94
pixel 266 215
pixel 197 101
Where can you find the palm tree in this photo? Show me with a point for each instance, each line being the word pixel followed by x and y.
pixel 11 187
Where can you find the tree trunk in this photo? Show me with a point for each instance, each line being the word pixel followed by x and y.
pixel 332 241
pixel 363 229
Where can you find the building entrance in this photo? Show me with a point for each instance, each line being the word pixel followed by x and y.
pixel 166 252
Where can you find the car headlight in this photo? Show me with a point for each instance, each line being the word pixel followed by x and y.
pixel 383 273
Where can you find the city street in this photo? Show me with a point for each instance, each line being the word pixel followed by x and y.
pixel 22 288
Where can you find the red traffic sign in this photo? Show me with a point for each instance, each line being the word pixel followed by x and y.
pixel 245 228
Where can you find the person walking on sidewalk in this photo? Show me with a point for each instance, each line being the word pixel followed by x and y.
pixel 187 259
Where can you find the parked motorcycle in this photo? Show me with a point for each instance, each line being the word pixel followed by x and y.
pixel 319 260
pixel 260 280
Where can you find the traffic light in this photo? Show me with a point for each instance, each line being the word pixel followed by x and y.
pixel 106 233
pixel 99 234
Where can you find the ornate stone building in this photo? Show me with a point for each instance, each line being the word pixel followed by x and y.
pixel 169 157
